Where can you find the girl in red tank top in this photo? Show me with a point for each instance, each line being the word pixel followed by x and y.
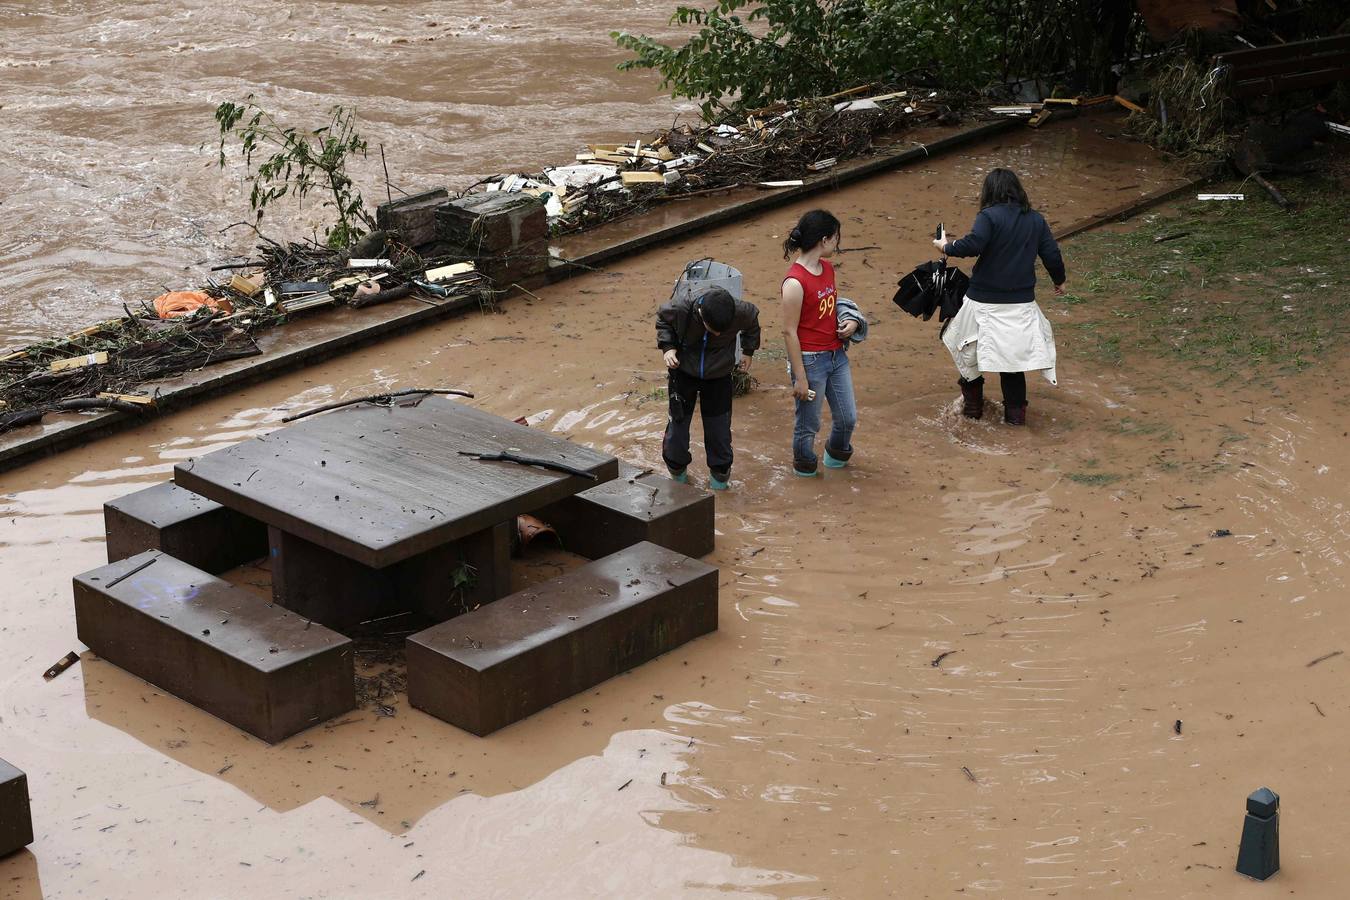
pixel 817 344
pixel 817 328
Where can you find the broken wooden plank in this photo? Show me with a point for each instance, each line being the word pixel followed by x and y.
pixel 850 92
pixel 79 362
pixel 1128 104
pixel 138 399
pixel 86 332
pixel 451 271
pixel 797 182
pixel 642 178
pixel 249 286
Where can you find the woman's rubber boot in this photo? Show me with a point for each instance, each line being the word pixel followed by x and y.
pixel 803 470
pixel 681 476
pixel 1015 415
pixel 834 462
pixel 719 481
pixel 972 397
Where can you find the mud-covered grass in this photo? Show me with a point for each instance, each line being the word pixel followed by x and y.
pixel 1236 288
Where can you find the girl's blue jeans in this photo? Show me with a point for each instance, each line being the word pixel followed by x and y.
pixel 828 374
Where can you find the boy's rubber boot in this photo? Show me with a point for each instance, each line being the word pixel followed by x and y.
pixel 719 482
pixel 972 397
pixel 803 473
pixel 1015 415
pixel 832 463
pixel 681 476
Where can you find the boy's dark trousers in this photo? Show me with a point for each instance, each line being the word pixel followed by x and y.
pixel 714 402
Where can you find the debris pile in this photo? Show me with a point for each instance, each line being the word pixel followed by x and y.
pixel 104 366
pixel 774 147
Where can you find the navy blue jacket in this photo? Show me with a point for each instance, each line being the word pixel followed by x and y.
pixel 1007 242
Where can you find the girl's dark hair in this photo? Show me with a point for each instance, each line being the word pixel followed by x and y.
pixel 1002 186
pixel 812 228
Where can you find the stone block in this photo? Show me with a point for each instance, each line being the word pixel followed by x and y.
pixel 16 818
pixel 493 224
pixel 343 594
pixel 198 531
pixel 498 664
pixel 219 647
pixel 413 218
pixel 634 507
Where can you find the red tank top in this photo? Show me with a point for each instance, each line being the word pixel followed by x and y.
pixel 817 329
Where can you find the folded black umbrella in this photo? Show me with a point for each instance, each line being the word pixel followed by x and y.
pixel 932 287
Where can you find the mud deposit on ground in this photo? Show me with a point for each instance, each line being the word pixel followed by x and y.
pixel 953 668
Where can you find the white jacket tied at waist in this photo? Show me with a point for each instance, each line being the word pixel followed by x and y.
pixel 1001 337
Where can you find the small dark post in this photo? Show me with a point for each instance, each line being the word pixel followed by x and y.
pixel 1259 852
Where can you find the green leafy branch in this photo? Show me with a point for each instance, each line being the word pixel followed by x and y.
pixel 294 162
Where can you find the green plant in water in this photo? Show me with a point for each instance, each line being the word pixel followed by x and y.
pixel 297 162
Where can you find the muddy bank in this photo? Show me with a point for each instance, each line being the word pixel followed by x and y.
pixel 811 747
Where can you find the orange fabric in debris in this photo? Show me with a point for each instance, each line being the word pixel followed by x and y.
pixel 180 303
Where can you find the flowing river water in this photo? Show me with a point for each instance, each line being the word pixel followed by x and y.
pixel 954 668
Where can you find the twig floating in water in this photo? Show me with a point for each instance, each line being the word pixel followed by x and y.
pixel 970 775
pixel 937 660
pixel 625 784
pixel 1325 657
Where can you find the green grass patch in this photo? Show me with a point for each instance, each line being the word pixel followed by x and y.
pixel 1094 479
pixel 1241 288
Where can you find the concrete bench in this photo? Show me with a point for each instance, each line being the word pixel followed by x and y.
pixel 634 507
pixel 185 525
pixel 217 646
pixel 16 819
pixel 502 662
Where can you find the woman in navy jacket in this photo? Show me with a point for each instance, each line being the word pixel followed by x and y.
pixel 999 327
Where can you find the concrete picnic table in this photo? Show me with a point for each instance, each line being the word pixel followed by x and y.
pixel 372 511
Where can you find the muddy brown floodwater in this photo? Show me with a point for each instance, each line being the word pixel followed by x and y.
pixel 951 668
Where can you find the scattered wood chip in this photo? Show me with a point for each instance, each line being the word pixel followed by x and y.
pixel 61 665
